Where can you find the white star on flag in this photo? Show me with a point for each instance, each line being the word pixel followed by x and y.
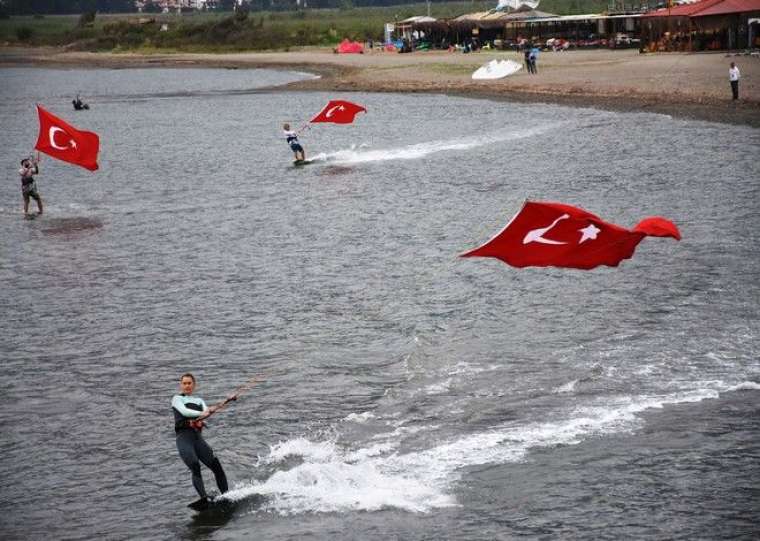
pixel 589 232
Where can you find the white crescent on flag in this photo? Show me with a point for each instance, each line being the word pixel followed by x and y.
pixel 62 141
pixel 537 235
pixel 51 135
pixel 588 240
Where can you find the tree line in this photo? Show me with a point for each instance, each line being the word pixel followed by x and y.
pixel 50 7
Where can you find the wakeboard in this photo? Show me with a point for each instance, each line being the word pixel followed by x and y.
pixel 31 215
pixel 299 163
pixel 210 504
pixel 222 505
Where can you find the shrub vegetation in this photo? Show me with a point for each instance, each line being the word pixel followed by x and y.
pixel 241 30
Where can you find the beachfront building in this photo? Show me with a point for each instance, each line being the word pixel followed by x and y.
pixel 703 25
pixel 584 31
pixel 513 29
pixel 494 26
pixel 707 25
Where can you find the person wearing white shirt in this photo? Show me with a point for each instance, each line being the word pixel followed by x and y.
pixel 292 138
pixel 733 77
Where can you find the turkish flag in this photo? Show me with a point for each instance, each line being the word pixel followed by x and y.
pixel 339 112
pixel 559 235
pixel 64 142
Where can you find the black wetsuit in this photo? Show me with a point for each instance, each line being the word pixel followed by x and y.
pixel 192 448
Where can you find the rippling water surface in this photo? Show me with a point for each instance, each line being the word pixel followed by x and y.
pixel 409 394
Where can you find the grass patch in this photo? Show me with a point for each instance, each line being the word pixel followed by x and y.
pixel 449 69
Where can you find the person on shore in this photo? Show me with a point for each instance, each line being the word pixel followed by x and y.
pixel 526 53
pixel 292 138
pixel 532 57
pixel 189 413
pixel 733 78
pixel 29 168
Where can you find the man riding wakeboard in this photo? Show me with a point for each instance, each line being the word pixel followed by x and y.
pixel 189 413
pixel 292 138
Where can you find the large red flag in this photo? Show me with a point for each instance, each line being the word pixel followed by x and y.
pixel 558 235
pixel 339 112
pixel 64 142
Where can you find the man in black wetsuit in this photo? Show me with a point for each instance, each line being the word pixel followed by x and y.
pixel 189 412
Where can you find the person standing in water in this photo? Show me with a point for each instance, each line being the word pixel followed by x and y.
pixel 189 413
pixel 29 168
pixel 292 138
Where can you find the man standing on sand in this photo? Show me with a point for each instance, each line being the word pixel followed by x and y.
pixel 733 77
pixel 532 59
pixel 526 53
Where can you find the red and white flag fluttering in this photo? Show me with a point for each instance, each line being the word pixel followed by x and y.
pixel 66 143
pixel 339 112
pixel 559 235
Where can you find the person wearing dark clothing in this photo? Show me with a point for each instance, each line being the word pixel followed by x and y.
pixel 528 64
pixel 79 104
pixel 29 168
pixel 189 412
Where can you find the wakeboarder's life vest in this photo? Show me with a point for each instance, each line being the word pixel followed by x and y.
pixel 186 409
pixel 291 137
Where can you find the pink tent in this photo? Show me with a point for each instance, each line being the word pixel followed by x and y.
pixel 347 46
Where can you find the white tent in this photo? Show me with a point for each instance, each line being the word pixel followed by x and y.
pixel 514 5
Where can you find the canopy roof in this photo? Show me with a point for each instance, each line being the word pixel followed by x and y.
pixel 418 19
pixel 502 16
pixel 730 6
pixel 684 10
pixel 588 17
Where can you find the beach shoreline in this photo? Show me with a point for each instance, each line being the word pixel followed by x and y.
pixel 683 85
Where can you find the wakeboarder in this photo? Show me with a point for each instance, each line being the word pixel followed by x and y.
pixel 189 413
pixel 292 138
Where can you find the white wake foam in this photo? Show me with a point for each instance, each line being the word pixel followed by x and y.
pixel 329 478
pixel 745 386
pixel 568 387
pixel 361 154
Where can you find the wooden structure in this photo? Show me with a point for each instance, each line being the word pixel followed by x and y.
pixel 707 25
pixel 492 25
pixel 526 25
pixel 580 29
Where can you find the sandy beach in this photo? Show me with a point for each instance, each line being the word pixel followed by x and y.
pixel 681 84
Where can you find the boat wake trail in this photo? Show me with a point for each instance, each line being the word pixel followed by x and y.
pixel 362 154
pixel 384 472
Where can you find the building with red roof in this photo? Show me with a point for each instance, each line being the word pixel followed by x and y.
pixel 704 25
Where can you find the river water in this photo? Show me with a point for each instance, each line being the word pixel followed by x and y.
pixel 408 393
